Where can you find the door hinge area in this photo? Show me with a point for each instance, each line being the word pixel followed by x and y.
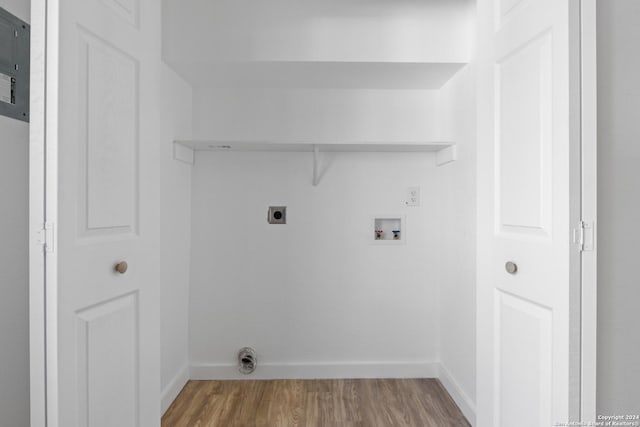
pixel 583 236
pixel 46 236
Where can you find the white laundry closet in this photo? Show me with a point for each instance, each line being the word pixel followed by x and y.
pixel 352 189
pixel 385 93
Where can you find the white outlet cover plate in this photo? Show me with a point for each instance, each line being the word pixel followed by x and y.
pixel 413 196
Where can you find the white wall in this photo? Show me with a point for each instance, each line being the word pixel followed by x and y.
pixel 457 242
pixel 175 217
pixel 14 267
pixel 198 32
pixel 313 297
pixel 20 8
pixel 618 207
pixel 316 115
pixel 14 273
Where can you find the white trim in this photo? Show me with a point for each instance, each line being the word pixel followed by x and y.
pixel 269 371
pixel 575 209
pixel 589 209
pixel 462 399
pixel 174 388
pixel 37 126
pixel 51 200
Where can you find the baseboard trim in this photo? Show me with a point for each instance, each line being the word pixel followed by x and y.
pixel 466 405
pixel 174 387
pixel 268 371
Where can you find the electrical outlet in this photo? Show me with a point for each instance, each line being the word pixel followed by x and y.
pixel 413 196
pixel 277 215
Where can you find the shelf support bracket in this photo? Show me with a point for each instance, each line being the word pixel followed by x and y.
pixel 316 166
pixel 446 155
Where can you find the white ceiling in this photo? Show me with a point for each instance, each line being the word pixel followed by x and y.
pixel 344 44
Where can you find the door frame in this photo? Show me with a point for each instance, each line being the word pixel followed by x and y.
pixel 589 208
pixel 43 193
pixel 37 179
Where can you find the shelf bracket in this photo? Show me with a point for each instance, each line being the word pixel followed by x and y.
pixel 447 155
pixel 316 166
pixel 183 153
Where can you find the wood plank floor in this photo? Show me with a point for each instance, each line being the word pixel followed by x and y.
pixel 315 403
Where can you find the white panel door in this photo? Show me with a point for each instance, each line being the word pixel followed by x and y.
pixel 528 151
pixel 102 65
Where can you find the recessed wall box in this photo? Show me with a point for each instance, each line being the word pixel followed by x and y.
pixel 277 215
pixel 14 66
pixel 388 229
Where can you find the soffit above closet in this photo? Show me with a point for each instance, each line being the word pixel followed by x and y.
pixel 320 75
pixel 346 44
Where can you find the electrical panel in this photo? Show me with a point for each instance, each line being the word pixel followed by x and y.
pixel 14 66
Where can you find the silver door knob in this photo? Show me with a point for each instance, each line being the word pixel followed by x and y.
pixel 121 267
pixel 511 267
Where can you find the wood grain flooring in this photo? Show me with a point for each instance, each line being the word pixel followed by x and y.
pixel 314 403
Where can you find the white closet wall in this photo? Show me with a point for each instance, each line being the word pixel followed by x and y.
pixel 175 228
pixel 457 243
pixel 316 115
pixel 314 297
pixel 14 256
